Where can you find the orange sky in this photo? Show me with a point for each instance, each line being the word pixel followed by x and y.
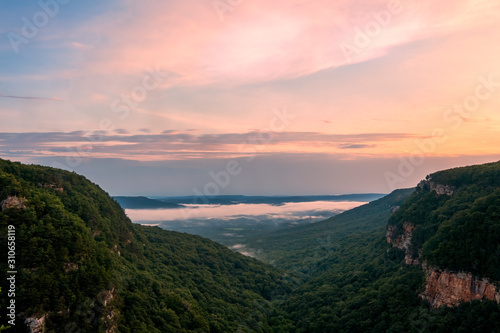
pixel 183 80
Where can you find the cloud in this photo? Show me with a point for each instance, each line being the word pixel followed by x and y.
pixel 355 146
pixel 52 99
pixel 260 40
pixel 179 145
pixel 226 77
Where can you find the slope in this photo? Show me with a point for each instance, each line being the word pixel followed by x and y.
pixel 144 203
pixel 82 266
pixel 299 247
pixel 450 223
pixel 455 217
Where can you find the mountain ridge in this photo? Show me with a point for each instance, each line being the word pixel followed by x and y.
pixel 84 266
pixel 396 264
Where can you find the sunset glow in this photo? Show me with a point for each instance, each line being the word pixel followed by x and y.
pixel 165 84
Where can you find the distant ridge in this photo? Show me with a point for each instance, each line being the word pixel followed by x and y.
pixel 82 266
pixel 144 203
pixel 272 200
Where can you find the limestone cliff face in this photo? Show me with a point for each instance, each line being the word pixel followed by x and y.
pixel 35 324
pixel 450 289
pixel 442 287
pixel 440 189
pixel 13 202
pixel 402 240
pixel 103 301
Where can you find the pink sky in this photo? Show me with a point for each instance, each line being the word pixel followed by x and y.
pixel 360 79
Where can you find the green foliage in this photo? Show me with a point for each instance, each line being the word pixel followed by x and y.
pixel 84 265
pixel 364 286
pixel 361 284
pixel 3 327
pixel 200 285
pixel 59 262
pixel 299 248
pixel 460 232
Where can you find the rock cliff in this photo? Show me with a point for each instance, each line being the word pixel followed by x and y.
pixel 402 240
pixel 440 189
pixel 13 202
pixel 450 289
pixel 442 287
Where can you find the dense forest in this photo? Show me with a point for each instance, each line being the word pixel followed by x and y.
pixel 460 232
pixel 82 265
pixel 364 285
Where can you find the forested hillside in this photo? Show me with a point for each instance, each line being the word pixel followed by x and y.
pixel 82 266
pixel 456 217
pixel 449 224
pixel 299 247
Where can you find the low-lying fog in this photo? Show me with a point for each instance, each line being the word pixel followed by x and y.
pixel 288 211
pixel 233 225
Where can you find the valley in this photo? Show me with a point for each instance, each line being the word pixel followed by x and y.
pixel 83 265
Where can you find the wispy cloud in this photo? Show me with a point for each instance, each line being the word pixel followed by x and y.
pixel 51 99
pixel 177 145
pixel 262 40
pixel 226 77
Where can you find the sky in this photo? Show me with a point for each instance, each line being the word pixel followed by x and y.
pixel 250 97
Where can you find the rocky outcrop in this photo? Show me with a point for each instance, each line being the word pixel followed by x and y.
pixel 106 296
pixel 451 289
pixel 110 315
pixel 69 266
pixel 442 287
pixel 402 240
pixel 36 325
pixel 52 186
pixel 13 202
pixel 115 249
pixel 103 301
pixel 440 189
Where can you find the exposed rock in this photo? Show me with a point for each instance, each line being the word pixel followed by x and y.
pixel 111 320
pixel 438 188
pixel 52 186
pixel 110 316
pixel 69 266
pixel 451 289
pixel 442 189
pixel 106 296
pixel 402 240
pixel 13 202
pixel 114 249
pixel 394 209
pixel 36 325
